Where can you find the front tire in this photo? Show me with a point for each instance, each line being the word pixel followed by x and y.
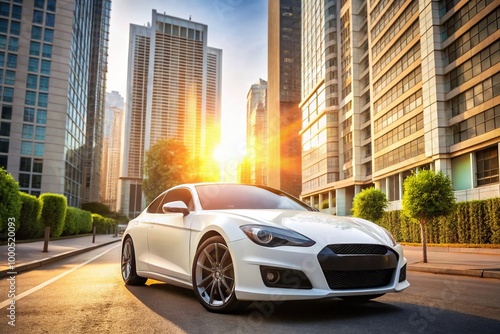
pixel 128 267
pixel 214 277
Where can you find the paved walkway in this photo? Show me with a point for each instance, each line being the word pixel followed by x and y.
pixel 29 255
pixel 441 260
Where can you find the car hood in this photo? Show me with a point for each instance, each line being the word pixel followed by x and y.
pixel 320 227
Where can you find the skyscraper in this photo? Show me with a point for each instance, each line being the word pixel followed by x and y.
pixel 46 81
pixel 257 132
pixel 112 143
pixel 174 89
pixel 283 112
pixel 409 85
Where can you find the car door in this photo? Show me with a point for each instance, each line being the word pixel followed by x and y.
pixel 169 238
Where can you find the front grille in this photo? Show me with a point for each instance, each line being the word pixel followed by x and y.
pixel 358 249
pixel 358 266
pixel 358 279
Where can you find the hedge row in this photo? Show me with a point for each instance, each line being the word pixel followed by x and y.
pixel 52 210
pixel 474 222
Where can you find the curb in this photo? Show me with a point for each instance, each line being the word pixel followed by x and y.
pixel 478 273
pixel 39 263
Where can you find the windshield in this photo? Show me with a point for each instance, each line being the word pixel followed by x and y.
pixel 240 196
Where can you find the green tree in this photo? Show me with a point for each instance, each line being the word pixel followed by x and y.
pixel 10 200
pixel 96 207
pixel 427 195
pixel 167 164
pixel 369 204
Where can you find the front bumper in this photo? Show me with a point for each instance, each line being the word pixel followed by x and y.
pixel 355 272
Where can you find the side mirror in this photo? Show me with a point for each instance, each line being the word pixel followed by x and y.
pixel 177 206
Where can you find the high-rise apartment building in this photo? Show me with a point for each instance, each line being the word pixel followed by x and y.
pixel 112 143
pixel 284 95
pixel 409 84
pixel 257 133
pixel 46 84
pixel 174 90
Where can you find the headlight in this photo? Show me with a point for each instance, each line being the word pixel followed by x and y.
pixel 273 237
pixel 389 234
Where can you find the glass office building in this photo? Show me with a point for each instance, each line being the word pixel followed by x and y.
pixel 393 86
pixel 45 85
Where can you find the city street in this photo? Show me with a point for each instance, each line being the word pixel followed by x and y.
pixel 85 294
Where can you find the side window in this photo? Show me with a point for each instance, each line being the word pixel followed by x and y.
pixel 155 206
pixel 181 194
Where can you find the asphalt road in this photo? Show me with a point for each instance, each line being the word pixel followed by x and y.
pixel 85 294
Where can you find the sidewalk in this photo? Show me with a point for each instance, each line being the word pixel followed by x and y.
pixel 29 255
pixel 475 262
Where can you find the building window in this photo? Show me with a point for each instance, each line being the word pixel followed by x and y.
pixel 45 67
pixel 4 9
pixel 49 20
pixel 36 181
pixel 26 148
pixel 11 60
pixel 3 42
pixel 6 112
pixel 41 116
pixel 4 145
pixel 487 166
pixel 35 49
pixel 37 165
pixel 39 149
pixel 13 44
pixel 25 165
pixel 27 131
pixel 10 78
pixel 3 161
pixel 43 100
pixel 38 17
pixel 30 99
pixel 33 64
pixel 47 51
pixel 40 133
pixel 8 94
pixel 17 12
pixel 32 81
pixel 4 25
pixel 24 180
pixel 15 28
pixel 5 129
pixel 48 35
pixel 40 4
pixel 51 5
pixel 29 115
pixel 36 32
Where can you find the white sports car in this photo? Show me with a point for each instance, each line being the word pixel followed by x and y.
pixel 234 243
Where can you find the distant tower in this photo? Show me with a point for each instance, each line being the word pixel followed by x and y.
pixel 257 132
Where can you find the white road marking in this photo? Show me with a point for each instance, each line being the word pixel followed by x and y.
pixel 52 280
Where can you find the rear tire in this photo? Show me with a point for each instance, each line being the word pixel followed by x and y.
pixel 214 277
pixel 128 268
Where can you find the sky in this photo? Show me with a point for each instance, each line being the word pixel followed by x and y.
pixel 238 27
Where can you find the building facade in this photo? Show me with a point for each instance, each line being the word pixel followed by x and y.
pixel 112 143
pixel 174 90
pixel 284 95
pixel 409 85
pixel 45 82
pixel 257 133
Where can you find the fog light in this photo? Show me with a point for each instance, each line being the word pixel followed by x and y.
pixel 272 276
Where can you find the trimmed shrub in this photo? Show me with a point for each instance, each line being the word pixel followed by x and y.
pixel 10 200
pixel 72 221
pixel 31 227
pixel 96 207
pixel 493 219
pixel 85 225
pixel 54 208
